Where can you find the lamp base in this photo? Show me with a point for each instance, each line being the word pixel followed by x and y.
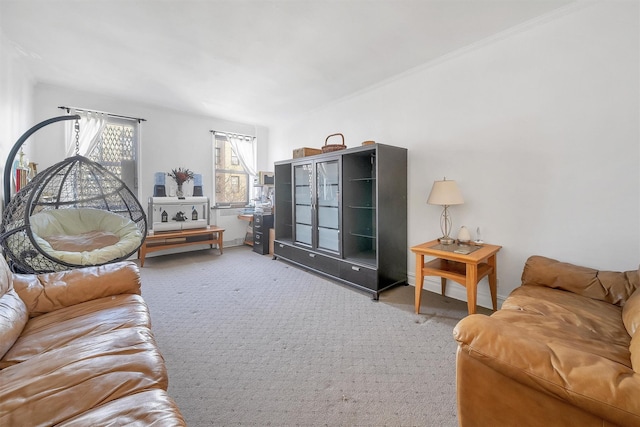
pixel 446 240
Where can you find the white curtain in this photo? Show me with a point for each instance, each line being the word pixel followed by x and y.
pixel 91 126
pixel 245 149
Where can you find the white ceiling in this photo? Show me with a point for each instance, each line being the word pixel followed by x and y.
pixel 253 61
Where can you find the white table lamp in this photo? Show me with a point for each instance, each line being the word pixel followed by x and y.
pixel 445 193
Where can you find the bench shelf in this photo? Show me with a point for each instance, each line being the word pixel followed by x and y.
pixel 174 239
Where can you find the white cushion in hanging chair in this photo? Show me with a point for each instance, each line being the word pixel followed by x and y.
pixel 84 236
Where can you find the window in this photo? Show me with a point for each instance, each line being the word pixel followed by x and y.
pixel 108 139
pixel 116 150
pixel 232 180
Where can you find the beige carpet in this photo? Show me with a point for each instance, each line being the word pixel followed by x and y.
pixel 250 341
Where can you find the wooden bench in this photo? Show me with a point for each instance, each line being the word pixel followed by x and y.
pixel 174 239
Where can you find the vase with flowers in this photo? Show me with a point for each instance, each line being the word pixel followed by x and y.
pixel 180 176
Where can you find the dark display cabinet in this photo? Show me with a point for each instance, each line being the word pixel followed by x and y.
pixel 344 214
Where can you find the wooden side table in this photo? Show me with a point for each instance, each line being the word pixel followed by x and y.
pixel 466 269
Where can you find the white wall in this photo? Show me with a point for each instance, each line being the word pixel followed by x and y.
pixel 539 127
pixel 15 99
pixel 169 139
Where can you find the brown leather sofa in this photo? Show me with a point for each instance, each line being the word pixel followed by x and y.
pixel 76 349
pixel 562 351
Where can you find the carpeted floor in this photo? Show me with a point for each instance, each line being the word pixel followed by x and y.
pixel 250 341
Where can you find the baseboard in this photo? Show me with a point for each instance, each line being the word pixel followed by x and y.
pixel 456 291
pixel 235 242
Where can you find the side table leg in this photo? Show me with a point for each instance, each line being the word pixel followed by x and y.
pixel 493 281
pixel 472 287
pixel 443 285
pixel 419 280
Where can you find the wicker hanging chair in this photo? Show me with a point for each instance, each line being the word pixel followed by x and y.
pixel 73 214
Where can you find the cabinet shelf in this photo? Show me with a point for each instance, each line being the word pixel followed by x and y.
pixel 364 257
pixel 179 225
pixel 362 179
pixel 363 207
pixel 366 236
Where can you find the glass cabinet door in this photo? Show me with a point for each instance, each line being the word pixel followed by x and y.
pixel 302 176
pixel 328 209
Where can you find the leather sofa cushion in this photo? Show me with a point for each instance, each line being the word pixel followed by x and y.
pixel 631 319
pixel 634 349
pixel 13 312
pixel 564 318
pixel 64 382
pixel 149 408
pixel 77 323
pixel 610 286
pixel 6 278
pixel 13 318
pixel 631 313
pixel 49 292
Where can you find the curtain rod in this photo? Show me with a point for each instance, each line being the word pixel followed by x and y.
pixel 102 112
pixel 234 134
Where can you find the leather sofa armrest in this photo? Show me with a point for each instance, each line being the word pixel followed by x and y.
pixel 47 292
pixel 610 286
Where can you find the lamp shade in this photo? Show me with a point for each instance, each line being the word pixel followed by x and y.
pixel 445 193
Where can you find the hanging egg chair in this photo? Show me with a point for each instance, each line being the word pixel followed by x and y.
pixel 73 214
